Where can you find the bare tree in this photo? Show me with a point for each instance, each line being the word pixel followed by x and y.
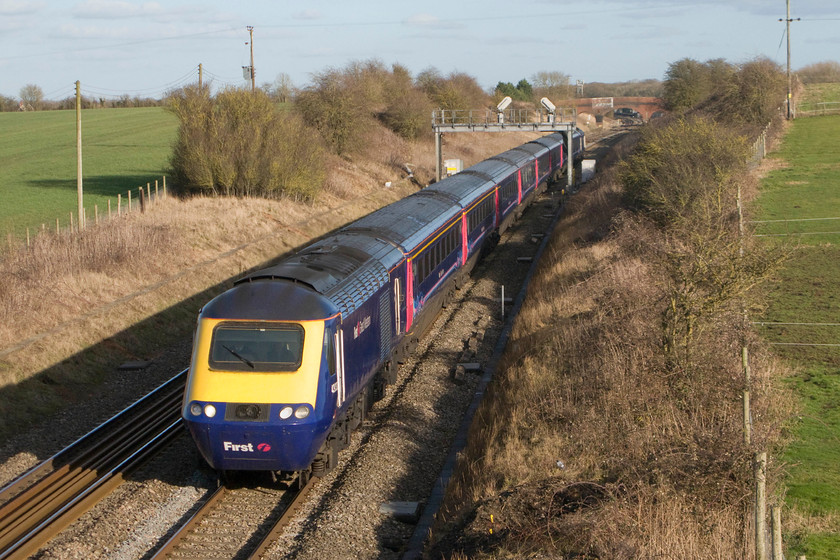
pixel 282 88
pixel 552 84
pixel 32 96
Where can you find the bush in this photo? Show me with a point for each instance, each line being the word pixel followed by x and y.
pixel 457 92
pixel 685 179
pixel 688 82
pixel 680 169
pixel 751 97
pixel 341 104
pixel 238 144
pixel 820 73
pixel 408 110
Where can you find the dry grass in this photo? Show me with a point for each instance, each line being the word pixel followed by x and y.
pixel 587 442
pixel 74 307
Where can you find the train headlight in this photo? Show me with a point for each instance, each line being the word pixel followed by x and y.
pixel 209 410
pixel 286 413
pixel 195 409
pixel 301 412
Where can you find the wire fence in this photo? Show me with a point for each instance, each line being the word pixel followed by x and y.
pixel 135 200
pixel 817 109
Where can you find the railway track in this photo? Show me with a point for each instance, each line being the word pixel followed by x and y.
pixel 209 534
pixel 42 502
pixel 234 522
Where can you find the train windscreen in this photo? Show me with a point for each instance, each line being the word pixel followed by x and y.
pixel 256 347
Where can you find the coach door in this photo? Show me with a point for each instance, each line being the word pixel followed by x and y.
pixel 339 360
pixel 397 324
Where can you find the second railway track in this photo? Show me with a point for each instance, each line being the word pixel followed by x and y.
pixel 42 502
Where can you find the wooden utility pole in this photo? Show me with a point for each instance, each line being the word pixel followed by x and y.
pixel 790 88
pixel 253 72
pixel 199 76
pixel 79 154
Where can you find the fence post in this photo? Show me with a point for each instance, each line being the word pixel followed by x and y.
pixel 109 209
pixel 164 185
pixel 149 192
pixel 57 228
pixel 119 205
pixel 142 200
pixel 156 189
pixel 747 419
pixel 27 238
pixel 760 470
pixel 776 520
pixel 71 222
pixel 129 200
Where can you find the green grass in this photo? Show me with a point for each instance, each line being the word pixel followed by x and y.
pixel 121 150
pixel 808 291
pixel 821 93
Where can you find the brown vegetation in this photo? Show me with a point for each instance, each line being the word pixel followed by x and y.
pixel 238 144
pixel 592 441
pixel 614 426
pixel 73 308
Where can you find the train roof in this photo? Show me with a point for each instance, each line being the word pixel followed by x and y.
pixel 531 148
pixel 346 268
pixel 260 301
pixel 409 221
pixel 550 141
pixel 465 186
pixel 515 157
pixel 494 169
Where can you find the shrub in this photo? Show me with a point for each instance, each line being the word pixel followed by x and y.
pixel 820 73
pixel 341 104
pixel 408 110
pixel 682 167
pixel 457 92
pixel 751 96
pixel 688 82
pixel 239 144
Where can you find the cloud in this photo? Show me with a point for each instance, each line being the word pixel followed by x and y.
pixel 308 15
pixel 429 21
pixel 116 9
pixel 19 8
pixel 72 31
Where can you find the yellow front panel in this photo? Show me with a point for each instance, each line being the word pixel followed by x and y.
pixel 299 386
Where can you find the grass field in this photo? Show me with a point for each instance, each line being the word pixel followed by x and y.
pixel 821 93
pixel 121 150
pixel 808 291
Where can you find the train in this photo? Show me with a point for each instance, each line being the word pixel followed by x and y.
pixel 287 362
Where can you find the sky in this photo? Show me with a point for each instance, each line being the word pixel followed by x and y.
pixel 137 48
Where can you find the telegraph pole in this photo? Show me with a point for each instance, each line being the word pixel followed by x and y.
pixel 199 76
pixel 787 33
pixel 79 154
pixel 251 33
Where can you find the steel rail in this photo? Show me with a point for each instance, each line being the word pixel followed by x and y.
pixel 213 501
pixel 284 519
pixel 49 497
pixel 191 523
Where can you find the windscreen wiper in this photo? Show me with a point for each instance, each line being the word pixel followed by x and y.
pixel 241 358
